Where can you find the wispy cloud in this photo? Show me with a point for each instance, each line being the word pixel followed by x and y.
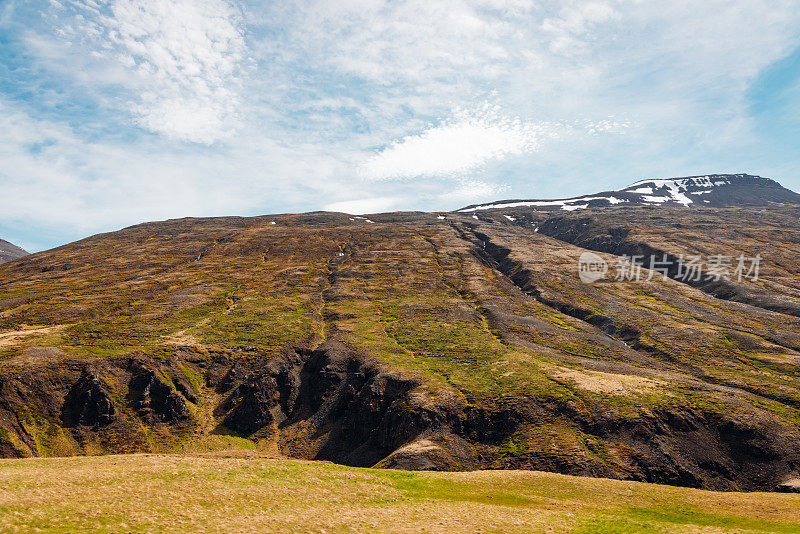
pixel 387 42
pixel 186 59
pixel 361 206
pixel 468 140
pixel 57 185
pixel 128 110
pixel 574 28
pixel 468 190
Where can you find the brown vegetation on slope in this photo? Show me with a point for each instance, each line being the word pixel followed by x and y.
pixel 413 341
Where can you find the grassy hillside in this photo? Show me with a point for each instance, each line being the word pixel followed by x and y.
pixel 414 341
pixel 155 493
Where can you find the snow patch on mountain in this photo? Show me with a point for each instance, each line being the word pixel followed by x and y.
pixel 569 204
pixel 720 189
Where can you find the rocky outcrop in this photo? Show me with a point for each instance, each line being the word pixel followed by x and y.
pixel 89 403
pixel 154 400
pixel 333 404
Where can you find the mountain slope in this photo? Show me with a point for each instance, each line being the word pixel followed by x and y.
pixel 715 190
pixel 415 341
pixel 10 252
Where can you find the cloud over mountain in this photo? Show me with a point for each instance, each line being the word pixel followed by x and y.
pixel 278 106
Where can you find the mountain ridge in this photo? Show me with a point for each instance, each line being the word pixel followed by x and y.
pixel 712 190
pixel 10 252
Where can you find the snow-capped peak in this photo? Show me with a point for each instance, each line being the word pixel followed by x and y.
pixel 716 190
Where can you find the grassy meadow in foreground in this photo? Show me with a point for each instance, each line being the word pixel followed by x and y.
pixel 227 492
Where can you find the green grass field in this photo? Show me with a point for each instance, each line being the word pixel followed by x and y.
pixel 241 492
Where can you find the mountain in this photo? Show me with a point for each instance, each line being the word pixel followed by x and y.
pixel 421 341
pixel 10 252
pixel 714 190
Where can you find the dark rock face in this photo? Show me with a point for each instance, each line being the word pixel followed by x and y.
pixel 89 403
pixel 251 403
pixel 789 486
pixel 330 404
pixel 9 252
pixel 154 400
pixel 333 404
pixel 184 387
pixel 62 409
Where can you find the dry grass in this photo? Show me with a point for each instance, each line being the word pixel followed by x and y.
pixel 182 339
pixel 608 383
pixel 12 338
pixel 243 492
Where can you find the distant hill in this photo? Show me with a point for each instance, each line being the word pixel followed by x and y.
pixel 9 251
pixel 712 190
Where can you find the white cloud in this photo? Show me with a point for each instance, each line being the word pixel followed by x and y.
pixel 54 182
pixel 186 60
pixel 574 26
pixel 301 93
pixel 363 206
pixel 468 140
pixel 473 190
pixel 383 40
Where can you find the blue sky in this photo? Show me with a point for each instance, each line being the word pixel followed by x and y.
pixel 123 111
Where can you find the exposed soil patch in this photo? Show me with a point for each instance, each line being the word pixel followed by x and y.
pixel 13 338
pixel 609 383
